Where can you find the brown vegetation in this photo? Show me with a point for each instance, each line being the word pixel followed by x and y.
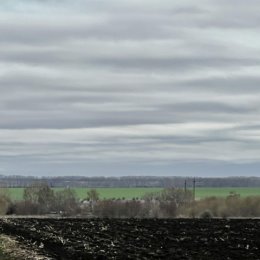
pixel 40 199
pixel 231 206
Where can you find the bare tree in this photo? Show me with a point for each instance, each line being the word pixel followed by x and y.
pixel 93 195
pixel 40 194
pixel 67 202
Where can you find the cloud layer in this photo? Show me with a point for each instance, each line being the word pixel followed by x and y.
pixel 129 84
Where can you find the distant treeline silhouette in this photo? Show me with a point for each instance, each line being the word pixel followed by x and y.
pixel 129 181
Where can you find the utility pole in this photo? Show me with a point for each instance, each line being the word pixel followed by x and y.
pixel 185 186
pixel 194 188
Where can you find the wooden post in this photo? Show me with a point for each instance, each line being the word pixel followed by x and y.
pixel 194 188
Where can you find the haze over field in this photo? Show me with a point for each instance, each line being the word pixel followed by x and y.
pixel 131 87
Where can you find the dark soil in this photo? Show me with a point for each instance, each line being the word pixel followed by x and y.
pixel 79 239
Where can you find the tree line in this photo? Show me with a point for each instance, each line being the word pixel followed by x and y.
pixel 130 181
pixel 41 199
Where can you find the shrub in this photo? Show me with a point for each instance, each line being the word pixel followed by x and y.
pixel 26 208
pixel 40 194
pixel 93 195
pixel 5 203
pixel 206 214
pixel 168 209
pixel 66 202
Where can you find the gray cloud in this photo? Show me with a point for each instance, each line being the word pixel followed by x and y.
pixel 129 87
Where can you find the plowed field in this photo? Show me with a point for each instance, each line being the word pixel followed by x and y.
pixel 69 239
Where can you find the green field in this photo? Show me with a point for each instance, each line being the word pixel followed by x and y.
pixel 105 193
pixel 223 192
pixel 129 193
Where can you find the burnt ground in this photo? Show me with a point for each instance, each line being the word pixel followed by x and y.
pixel 79 239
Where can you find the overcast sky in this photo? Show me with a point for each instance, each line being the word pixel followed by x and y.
pixel 130 87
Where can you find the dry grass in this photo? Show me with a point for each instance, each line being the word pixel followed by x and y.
pixel 13 250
